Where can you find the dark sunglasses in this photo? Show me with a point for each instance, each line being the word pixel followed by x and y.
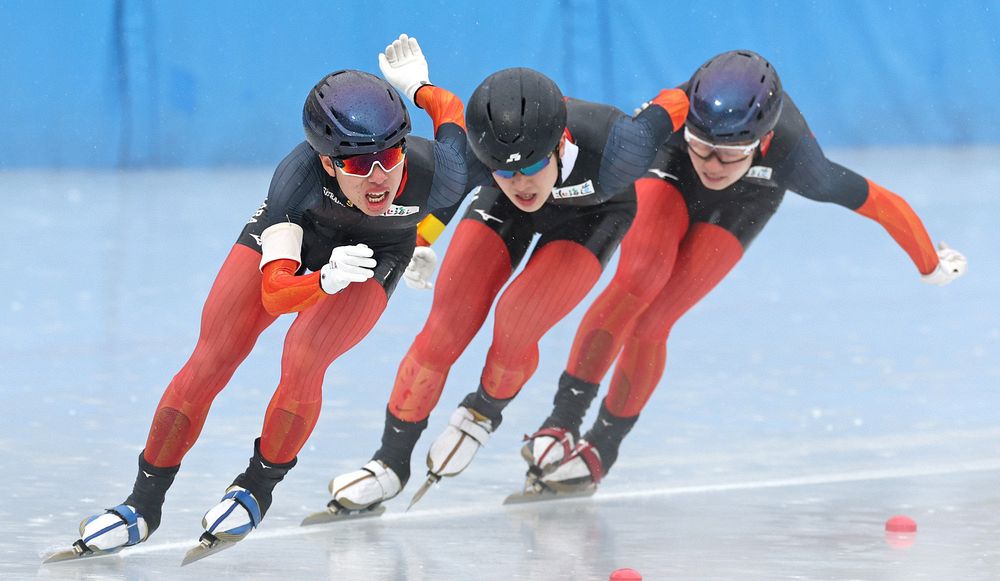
pixel 530 170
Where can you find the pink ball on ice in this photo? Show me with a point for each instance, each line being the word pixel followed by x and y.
pixel 900 524
pixel 625 575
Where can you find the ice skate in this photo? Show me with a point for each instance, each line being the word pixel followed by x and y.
pixel 105 534
pixel 454 449
pixel 554 441
pixel 374 483
pixel 546 448
pixel 582 471
pixel 234 516
pixel 577 475
pixel 242 507
pixel 359 494
pixel 226 523
pixel 127 524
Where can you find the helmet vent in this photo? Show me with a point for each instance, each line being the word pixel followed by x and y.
pixel 752 99
pixel 523 105
pixel 320 93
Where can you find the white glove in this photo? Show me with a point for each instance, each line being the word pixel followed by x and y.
pixel 418 273
pixel 347 264
pixel 951 265
pixel 404 66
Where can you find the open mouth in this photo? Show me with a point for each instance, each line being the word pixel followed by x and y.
pixel 525 198
pixel 377 198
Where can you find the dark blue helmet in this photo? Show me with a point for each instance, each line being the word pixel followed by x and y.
pixel 352 112
pixel 515 118
pixel 736 97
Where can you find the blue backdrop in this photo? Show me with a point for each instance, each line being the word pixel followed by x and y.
pixel 108 83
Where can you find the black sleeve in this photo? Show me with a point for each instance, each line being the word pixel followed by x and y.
pixel 631 147
pixel 450 174
pixel 478 176
pixel 817 178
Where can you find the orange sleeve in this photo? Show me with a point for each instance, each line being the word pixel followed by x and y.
pixel 675 103
pixel 283 292
pixel 441 105
pixel 902 223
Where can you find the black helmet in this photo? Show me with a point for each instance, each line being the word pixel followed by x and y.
pixel 736 97
pixel 515 118
pixel 352 112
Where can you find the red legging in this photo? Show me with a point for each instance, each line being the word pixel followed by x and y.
pixel 649 250
pixel 556 278
pixel 232 319
pixel 665 268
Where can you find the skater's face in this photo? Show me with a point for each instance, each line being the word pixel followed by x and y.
pixel 530 192
pixel 719 166
pixel 372 193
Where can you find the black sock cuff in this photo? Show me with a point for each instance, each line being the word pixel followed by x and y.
pixel 150 490
pixel 399 437
pixel 607 434
pixel 261 476
pixel 487 405
pixel 571 402
pixel 163 471
pixel 260 457
pixel 609 422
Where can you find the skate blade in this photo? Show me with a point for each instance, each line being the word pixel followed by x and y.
pixel 208 545
pixel 432 479
pixel 331 515
pixel 79 551
pixel 546 494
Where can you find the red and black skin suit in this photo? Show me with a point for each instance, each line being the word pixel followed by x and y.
pixel 248 296
pixel 683 242
pixel 579 227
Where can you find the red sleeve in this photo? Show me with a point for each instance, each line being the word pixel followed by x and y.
pixel 675 103
pixel 441 105
pixel 283 292
pixel 902 223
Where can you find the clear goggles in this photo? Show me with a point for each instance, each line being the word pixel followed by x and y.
pixel 724 153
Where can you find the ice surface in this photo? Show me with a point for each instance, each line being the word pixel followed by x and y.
pixel 818 391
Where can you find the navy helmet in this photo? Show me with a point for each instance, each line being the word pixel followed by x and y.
pixel 515 118
pixel 351 112
pixel 736 97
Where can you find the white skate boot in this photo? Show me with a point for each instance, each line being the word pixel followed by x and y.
pixel 115 529
pixel 581 472
pixel 362 489
pixel 359 494
pixel 454 449
pixel 546 448
pixel 234 517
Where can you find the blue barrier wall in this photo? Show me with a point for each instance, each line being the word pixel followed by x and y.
pixel 107 83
